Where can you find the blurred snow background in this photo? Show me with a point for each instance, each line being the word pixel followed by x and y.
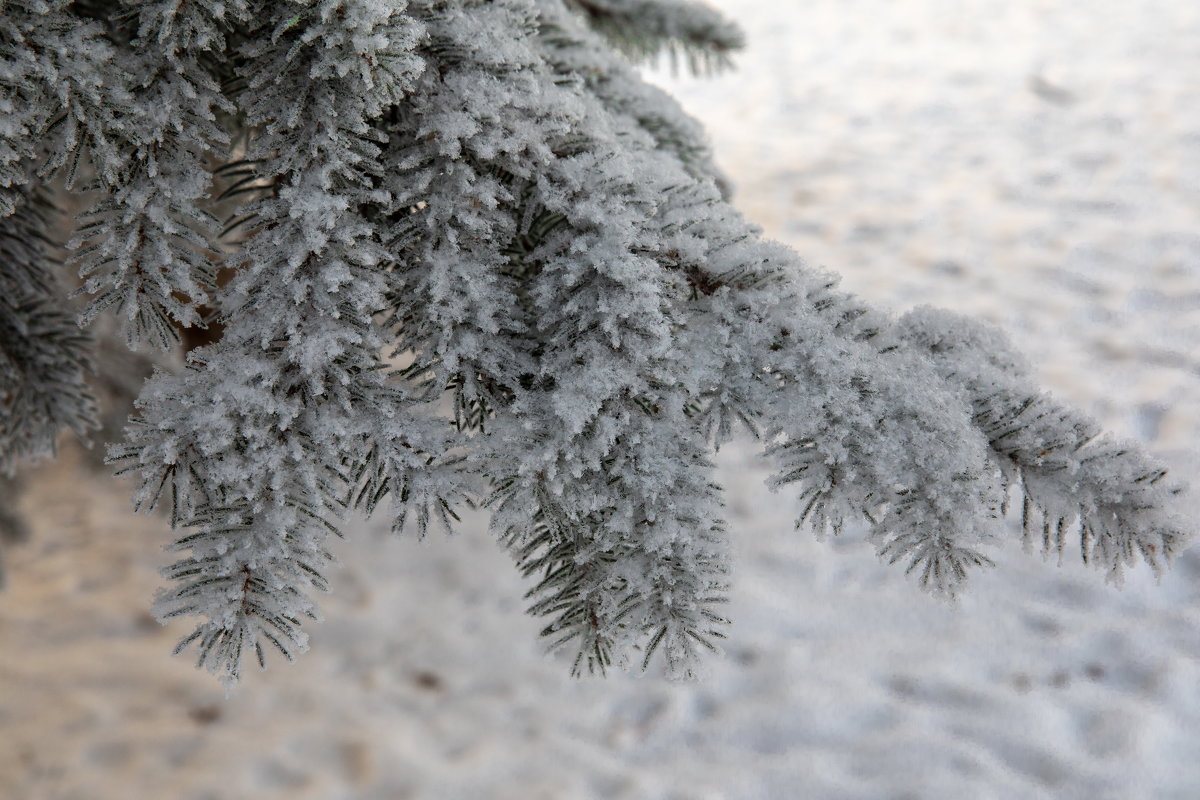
pixel 1036 163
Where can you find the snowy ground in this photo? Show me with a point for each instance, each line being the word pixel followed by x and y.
pixel 1035 162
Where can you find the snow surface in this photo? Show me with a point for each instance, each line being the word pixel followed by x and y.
pixel 1036 163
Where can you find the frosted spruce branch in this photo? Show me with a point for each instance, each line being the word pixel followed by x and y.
pixel 58 100
pixel 656 112
pixel 872 445
pixel 43 354
pixel 508 202
pixel 474 260
pixel 684 31
pixel 257 442
pixel 1070 478
pixel 146 246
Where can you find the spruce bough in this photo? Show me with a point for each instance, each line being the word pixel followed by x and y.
pixel 455 252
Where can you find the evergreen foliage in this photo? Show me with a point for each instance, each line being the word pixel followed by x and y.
pixel 458 253
pixel 43 354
